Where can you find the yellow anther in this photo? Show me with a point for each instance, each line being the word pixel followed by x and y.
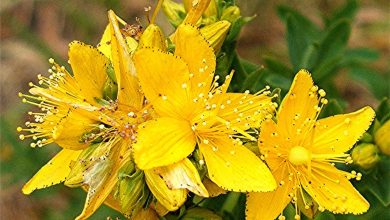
pixel 322 93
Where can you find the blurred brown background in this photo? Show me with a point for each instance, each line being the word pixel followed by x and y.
pixel 34 30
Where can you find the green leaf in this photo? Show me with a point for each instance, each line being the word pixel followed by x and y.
pixel 383 110
pixel 278 67
pixel 248 66
pixel 298 40
pixel 377 84
pixel 325 70
pixel 332 108
pixel 335 40
pixel 254 81
pixel 331 49
pixel 311 29
pixel 278 81
pixel 239 73
pixel 348 11
pixel 378 182
pixel 200 214
pixel 360 55
pixel 236 28
pixel 301 33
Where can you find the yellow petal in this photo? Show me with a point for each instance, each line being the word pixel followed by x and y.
pixel 337 134
pixel 165 81
pixel 299 105
pixel 112 202
pixel 170 199
pixel 332 190
pixel 269 205
pixel 153 37
pixel 235 168
pixel 104 45
pixel 183 175
pixel 162 142
pixel 202 63
pixel 245 111
pixel 54 172
pixel 271 142
pixel 68 131
pixel 89 69
pixel 196 10
pixel 102 178
pixel 213 189
pixel 128 88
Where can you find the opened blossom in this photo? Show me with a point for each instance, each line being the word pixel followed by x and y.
pixel 302 151
pixel 196 114
pixel 93 115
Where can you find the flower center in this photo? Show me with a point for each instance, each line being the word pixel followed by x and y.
pixel 299 156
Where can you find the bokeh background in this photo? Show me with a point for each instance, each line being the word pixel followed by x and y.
pixel 31 31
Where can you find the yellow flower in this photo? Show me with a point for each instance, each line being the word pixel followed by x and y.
pixel 301 151
pixel 195 110
pixel 97 134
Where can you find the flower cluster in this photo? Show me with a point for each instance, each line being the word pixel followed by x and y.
pixel 143 120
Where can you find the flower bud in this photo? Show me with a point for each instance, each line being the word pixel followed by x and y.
pixel 216 33
pixel 365 155
pixel 306 204
pixel 231 13
pixel 382 138
pixel 174 12
pixel 110 89
pixel 76 177
pixel 132 190
pixel 153 37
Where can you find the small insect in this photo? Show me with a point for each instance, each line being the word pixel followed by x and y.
pixel 133 30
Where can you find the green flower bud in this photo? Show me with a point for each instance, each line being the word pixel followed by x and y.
pixel 216 33
pixel 307 205
pixel 231 14
pixel 110 90
pixel 382 138
pixel 365 155
pixel 77 176
pixel 132 190
pixel 175 12
pixel 153 37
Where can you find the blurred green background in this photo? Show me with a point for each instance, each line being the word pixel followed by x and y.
pixel 34 30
